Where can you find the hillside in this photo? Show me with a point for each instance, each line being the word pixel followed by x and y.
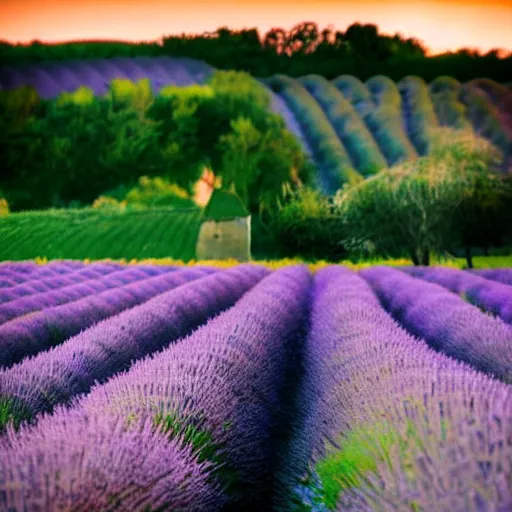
pixel 349 128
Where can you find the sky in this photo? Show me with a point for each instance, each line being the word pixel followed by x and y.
pixel 440 24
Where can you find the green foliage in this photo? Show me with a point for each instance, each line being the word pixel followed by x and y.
pixel 227 125
pixel 362 451
pixel 241 153
pixel 73 149
pixel 303 49
pixel 483 217
pixel 109 203
pixel 202 443
pixel 360 454
pixel 450 111
pixel 175 110
pixel 224 205
pixel 17 105
pixel 306 226
pixel 12 413
pixel 137 96
pixel 82 96
pixel 486 117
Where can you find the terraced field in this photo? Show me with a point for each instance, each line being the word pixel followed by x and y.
pixel 349 128
pixel 98 234
pixel 198 389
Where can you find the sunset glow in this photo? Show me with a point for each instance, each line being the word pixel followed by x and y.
pixel 441 24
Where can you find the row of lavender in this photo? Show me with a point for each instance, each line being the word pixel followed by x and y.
pixel 389 423
pixel 222 418
pixel 191 428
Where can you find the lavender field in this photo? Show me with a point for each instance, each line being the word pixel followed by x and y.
pixel 196 388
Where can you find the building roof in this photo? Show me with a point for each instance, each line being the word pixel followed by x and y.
pixel 224 205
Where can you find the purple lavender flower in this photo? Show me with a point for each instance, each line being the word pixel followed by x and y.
pixel 53 268
pixel 89 462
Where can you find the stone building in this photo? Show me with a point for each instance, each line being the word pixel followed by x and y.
pixel 225 229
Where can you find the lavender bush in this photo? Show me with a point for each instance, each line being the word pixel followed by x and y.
pixel 389 424
pixel 39 383
pixel 445 321
pixel 43 329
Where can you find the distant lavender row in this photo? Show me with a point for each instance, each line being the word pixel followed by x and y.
pixel 52 78
pixel 389 423
pixel 494 297
pixel 48 270
pixel 38 285
pixel 38 384
pixel 41 330
pixel 216 392
pixel 66 294
pixel 445 321
pixel 11 273
pixel 22 267
pixel 279 106
pixel 502 275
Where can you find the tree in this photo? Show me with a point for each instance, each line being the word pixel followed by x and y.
pixel 406 210
pixel 241 153
pixel 276 40
pixel 303 38
pixel 451 198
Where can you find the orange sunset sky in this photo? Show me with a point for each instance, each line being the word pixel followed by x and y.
pixel 440 24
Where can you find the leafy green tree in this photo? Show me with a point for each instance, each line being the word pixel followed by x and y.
pixel 483 218
pixel 241 153
pixel 407 210
pixel 451 198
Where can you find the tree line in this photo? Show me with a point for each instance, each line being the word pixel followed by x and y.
pixel 360 50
